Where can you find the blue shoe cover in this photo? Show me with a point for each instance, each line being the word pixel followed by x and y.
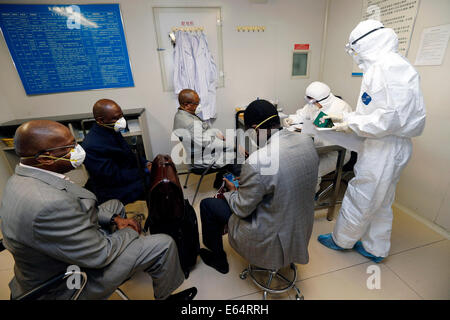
pixel 360 249
pixel 327 241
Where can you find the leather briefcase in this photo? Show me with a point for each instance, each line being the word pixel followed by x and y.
pixel 166 200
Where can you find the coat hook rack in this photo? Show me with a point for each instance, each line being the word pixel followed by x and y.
pixel 251 28
pixel 188 29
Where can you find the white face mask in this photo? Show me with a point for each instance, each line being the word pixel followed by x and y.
pixel 198 110
pixel 77 156
pixel 356 58
pixel 120 124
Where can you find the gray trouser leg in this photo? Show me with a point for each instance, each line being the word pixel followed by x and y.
pixel 155 254
pixel 161 262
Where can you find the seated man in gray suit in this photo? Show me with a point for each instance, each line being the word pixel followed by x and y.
pixel 50 223
pixel 270 216
pixel 202 143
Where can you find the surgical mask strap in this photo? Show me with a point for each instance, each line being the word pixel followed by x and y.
pixel 107 125
pixel 275 115
pixel 51 157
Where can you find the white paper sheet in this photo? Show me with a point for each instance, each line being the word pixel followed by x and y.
pixel 433 45
pixel 349 141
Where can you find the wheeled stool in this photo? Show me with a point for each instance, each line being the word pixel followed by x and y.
pixel 272 274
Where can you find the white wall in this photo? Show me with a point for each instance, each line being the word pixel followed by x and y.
pixel 6 114
pixel 424 187
pixel 255 64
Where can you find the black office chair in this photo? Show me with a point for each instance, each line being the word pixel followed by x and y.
pixel 202 172
pixel 268 285
pixel 56 281
pixel 347 175
pixel 335 177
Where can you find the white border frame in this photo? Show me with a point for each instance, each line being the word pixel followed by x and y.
pixel 308 58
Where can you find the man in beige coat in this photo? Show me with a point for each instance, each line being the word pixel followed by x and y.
pixel 270 216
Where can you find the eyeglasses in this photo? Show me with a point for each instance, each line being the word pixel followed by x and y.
pixel 71 146
pixel 310 100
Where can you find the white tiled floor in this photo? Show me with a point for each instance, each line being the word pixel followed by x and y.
pixel 418 266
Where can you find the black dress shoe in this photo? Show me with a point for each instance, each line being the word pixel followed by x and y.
pixel 220 264
pixel 184 295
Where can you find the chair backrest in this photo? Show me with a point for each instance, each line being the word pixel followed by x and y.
pixel 192 159
pixel 83 127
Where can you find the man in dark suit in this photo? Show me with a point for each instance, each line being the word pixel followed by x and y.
pixel 114 172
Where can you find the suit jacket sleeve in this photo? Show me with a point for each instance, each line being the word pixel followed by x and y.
pixel 246 199
pixel 67 233
pixel 109 208
pixel 105 168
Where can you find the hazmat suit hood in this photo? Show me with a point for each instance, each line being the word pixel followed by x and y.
pixel 321 92
pixel 373 46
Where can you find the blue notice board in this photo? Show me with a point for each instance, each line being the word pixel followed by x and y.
pixel 60 48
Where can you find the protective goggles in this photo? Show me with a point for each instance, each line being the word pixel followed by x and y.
pixel 348 46
pixel 314 101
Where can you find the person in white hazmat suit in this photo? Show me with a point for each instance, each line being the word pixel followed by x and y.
pixel 318 97
pixel 390 111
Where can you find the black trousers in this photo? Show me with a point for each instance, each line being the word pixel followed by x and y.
pixel 214 214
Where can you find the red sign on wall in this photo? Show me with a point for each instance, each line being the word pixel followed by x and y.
pixel 302 46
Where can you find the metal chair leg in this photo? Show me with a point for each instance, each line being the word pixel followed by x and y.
pixel 200 181
pixel 187 178
pixel 198 187
pixel 122 294
pixel 325 191
pixel 244 274
pixel 269 281
pixel 336 184
pixel 298 295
